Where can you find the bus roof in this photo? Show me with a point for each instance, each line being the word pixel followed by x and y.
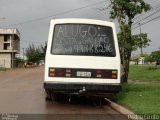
pixel 79 20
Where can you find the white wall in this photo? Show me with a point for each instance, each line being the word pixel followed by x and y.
pixel 5 60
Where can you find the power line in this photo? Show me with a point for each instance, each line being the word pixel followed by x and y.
pixel 99 10
pixel 147 22
pixel 153 1
pixel 147 16
pixel 148 11
pixel 65 12
pixel 102 9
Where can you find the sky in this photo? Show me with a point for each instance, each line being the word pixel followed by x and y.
pixel 32 18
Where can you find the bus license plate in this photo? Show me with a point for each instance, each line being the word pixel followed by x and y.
pixel 83 74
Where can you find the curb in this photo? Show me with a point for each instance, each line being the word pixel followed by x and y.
pixel 121 109
pixel 143 81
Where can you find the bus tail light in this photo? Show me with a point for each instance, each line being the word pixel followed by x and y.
pixel 114 74
pixel 99 73
pixel 51 72
pixel 83 73
pixel 59 72
pixel 68 73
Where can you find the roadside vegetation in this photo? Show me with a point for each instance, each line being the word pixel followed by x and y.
pixel 144 72
pixel 35 54
pixel 3 69
pixel 124 11
pixel 141 98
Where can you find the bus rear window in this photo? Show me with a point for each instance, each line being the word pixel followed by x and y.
pixel 83 39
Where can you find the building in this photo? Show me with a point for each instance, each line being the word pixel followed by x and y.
pixel 137 60
pixel 9 47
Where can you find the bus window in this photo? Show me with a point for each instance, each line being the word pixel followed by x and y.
pixel 83 39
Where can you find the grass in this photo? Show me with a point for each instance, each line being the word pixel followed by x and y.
pixel 3 69
pixel 141 98
pixel 144 72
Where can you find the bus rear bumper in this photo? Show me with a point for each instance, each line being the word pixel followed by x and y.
pixel 82 88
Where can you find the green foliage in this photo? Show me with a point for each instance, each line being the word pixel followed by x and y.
pixel 148 59
pixel 43 49
pixel 144 55
pixel 35 54
pixel 140 41
pixel 19 62
pixel 155 55
pixel 128 8
pixel 137 41
pixel 125 11
pixel 18 59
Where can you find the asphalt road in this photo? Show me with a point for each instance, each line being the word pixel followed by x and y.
pixel 22 93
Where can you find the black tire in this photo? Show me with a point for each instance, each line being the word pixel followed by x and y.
pixel 60 97
pixel 97 101
pixel 48 95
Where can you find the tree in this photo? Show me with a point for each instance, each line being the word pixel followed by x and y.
pixel 140 41
pixel 148 59
pixel 44 48
pixel 35 54
pixel 125 11
pixel 19 62
pixel 155 55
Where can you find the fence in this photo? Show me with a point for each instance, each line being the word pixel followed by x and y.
pixel 7 63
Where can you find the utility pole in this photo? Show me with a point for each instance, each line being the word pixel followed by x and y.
pixel 4 63
pixel 12 49
pixel 141 43
pixel 13 44
pixel 140 38
pixel 23 53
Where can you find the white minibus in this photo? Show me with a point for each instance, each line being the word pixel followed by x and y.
pixel 82 58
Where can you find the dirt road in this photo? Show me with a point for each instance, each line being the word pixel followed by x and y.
pixel 21 92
